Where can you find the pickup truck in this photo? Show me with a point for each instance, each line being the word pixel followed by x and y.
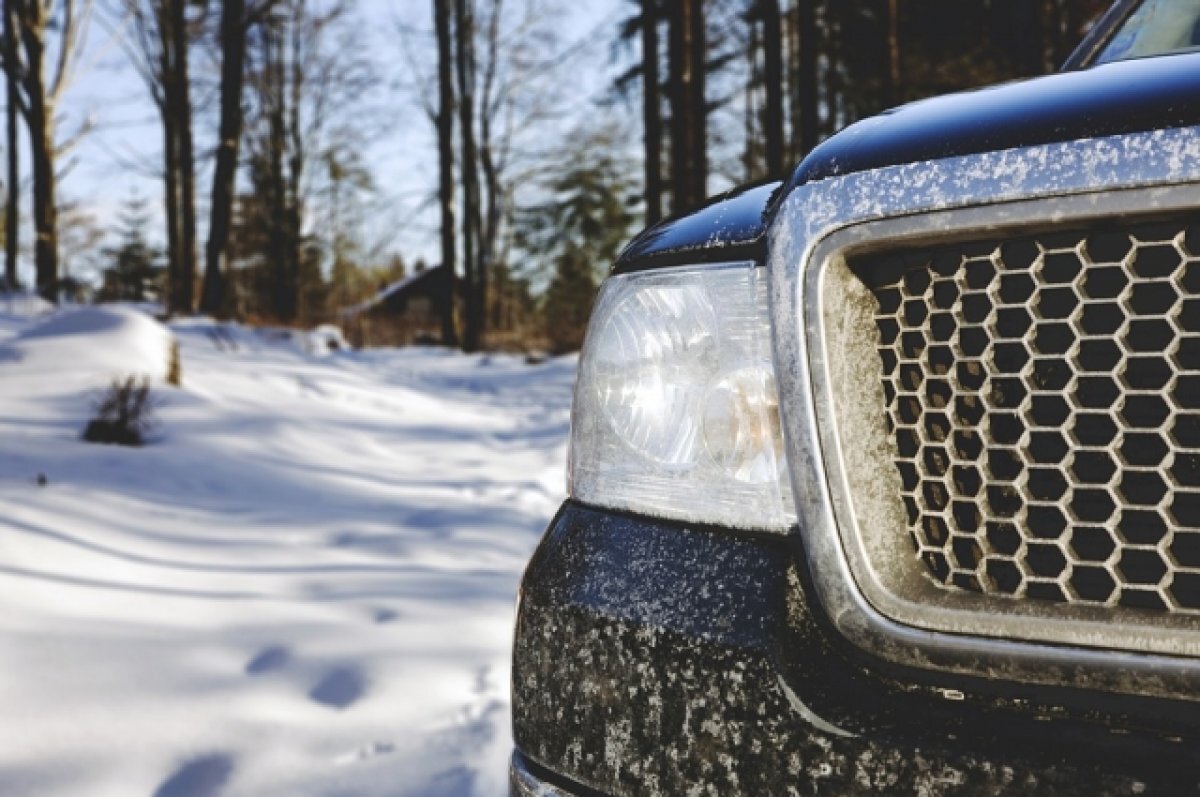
pixel 885 478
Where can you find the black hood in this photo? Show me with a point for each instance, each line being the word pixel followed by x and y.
pixel 1111 99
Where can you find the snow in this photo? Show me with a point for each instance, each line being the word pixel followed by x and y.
pixel 92 342
pixel 303 586
pixel 325 339
pixel 20 307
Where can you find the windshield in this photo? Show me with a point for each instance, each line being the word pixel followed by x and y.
pixel 1157 27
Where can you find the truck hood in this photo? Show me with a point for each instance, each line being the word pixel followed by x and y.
pixel 1111 99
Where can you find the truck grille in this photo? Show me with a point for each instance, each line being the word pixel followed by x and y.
pixel 1043 399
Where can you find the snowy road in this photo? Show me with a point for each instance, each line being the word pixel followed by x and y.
pixel 303 587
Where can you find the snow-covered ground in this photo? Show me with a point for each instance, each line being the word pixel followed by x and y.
pixel 303 586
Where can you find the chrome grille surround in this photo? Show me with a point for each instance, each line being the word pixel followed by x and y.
pixel 853 527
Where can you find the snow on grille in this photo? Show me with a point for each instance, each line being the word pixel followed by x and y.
pixel 1044 402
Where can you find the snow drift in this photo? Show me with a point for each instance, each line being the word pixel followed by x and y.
pixel 102 342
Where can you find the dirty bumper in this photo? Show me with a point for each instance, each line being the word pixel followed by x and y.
pixel 656 658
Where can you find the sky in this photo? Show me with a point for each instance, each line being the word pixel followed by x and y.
pixel 120 156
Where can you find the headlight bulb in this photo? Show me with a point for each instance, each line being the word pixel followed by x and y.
pixel 741 425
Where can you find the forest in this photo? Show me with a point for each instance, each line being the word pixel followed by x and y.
pixel 264 182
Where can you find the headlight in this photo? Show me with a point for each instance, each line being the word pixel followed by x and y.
pixel 676 410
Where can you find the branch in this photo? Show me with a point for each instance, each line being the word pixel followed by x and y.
pixel 256 13
pixel 64 148
pixel 73 42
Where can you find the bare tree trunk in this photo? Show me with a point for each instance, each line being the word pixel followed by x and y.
pixel 281 156
pixel 233 73
pixel 12 217
pixel 489 240
pixel 833 71
pixel 772 43
pixel 752 117
pixel 171 188
pixel 465 30
pixel 297 157
pixel 689 164
pixel 159 51
pixel 792 66
pixel 445 133
pixel 171 206
pixel 40 121
pixel 806 75
pixel 651 111
pixel 187 160
pixel 698 101
pixel 295 82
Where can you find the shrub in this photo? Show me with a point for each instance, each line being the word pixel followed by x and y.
pixel 124 416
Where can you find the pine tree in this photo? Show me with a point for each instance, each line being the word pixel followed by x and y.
pixel 568 299
pixel 580 229
pixel 137 271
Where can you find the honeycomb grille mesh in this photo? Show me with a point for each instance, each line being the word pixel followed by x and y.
pixel 1043 397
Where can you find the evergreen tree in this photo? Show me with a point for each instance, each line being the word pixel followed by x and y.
pixel 137 271
pixel 579 230
pixel 568 299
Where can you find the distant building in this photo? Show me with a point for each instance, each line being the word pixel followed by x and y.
pixel 403 312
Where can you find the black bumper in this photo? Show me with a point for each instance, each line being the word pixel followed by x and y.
pixel 656 658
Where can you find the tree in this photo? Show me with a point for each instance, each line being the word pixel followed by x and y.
pixel 518 98
pixel 349 181
pixel 159 52
pixel 579 228
pixel 306 79
pixel 464 26
pixel 689 109
pixel 489 232
pixel 183 290
pixel 768 12
pixel 12 208
pixel 651 110
pixel 37 98
pixel 277 157
pixel 444 121
pixel 506 59
pixel 236 19
pixel 136 271
pixel 645 26
pixel 568 300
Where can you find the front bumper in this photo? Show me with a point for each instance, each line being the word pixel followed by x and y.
pixel 656 658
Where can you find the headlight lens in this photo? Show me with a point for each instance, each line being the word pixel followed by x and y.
pixel 676 411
